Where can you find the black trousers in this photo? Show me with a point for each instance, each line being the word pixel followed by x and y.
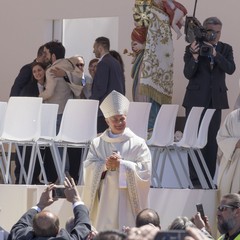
pixel 210 150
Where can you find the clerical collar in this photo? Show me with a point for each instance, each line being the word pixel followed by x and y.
pixel 112 135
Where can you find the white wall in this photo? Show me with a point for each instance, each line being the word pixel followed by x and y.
pixel 24 27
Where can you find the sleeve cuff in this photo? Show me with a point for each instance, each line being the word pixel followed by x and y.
pixel 77 203
pixel 37 208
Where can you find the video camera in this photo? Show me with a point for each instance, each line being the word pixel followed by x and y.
pixel 195 31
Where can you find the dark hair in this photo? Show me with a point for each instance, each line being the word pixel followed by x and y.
pixel 40 51
pixel 104 42
pixel 42 65
pixel 56 48
pixel 180 223
pixel 117 56
pixel 45 224
pixel 147 216
pixel 110 235
pixel 39 64
pixel 93 61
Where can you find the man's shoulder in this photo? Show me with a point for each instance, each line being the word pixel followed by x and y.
pixel 225 45
pixel 27 66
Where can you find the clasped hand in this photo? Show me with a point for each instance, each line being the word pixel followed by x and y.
pixel 113 161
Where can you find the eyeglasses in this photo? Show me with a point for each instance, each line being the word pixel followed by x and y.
pixel 223 208
pixel 80 64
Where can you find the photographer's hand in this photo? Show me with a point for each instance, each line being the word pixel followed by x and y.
pixel 46 198
pixel 213 46
pixel 71 191
pixel 194 49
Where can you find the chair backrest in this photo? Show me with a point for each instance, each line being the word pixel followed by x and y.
pixel 22 119
pixel 190 131
pixel 203 130
pixel 163 130
pixel 3 108
pixel 48 120
pixel 79 121
pixel 137 118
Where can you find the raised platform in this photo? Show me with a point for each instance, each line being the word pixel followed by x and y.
pixel 169 203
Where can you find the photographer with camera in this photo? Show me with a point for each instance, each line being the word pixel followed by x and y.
pixel 207 60
pixel 38 223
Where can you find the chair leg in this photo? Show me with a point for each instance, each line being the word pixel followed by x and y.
pixel 64 159
pixel 198 169
pixel 3 170
pixel 162 150
pixel 186 172
pixel 8 162
pixel 174 168
pixel 32 163
pixel 57 161
pixel 155 160
pixel 41 165
pixel 21 161
pixel 3 164
pixel 206 169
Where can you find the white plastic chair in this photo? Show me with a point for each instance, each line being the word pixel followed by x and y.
pixel 201 142
pixel 162 137
pixel 3 108
pixel 188 140
pixel 21 128
pixel 48 133
pixel 78 127
pixel 137 118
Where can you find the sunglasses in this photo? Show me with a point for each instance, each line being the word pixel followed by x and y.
pixel 80 64
pixel 223 208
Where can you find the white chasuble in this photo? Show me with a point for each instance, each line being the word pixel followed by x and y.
pixel 229 168
pixel 115 199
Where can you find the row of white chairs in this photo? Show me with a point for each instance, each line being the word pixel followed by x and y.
pixel 193 140
pixel 26 121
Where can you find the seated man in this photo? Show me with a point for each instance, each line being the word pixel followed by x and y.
pixel 117 170
pixel 36 223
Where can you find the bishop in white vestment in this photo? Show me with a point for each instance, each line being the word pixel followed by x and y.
pixel 117 170
pixel 228 139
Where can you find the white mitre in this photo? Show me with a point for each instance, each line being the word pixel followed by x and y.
pixel 114 104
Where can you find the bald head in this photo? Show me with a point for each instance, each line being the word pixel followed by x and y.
pixel 147 216
pixel 45 224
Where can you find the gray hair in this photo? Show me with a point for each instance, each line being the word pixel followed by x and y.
pixel 234 199
pixel 211 20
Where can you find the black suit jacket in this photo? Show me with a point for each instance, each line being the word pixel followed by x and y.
pixel 207 86
pixel 109 76
pixel 30 89
pixel 23 230
pixel 24 76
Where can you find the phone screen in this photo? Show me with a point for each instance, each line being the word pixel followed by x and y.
pixel 200 210
pixel 58 192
